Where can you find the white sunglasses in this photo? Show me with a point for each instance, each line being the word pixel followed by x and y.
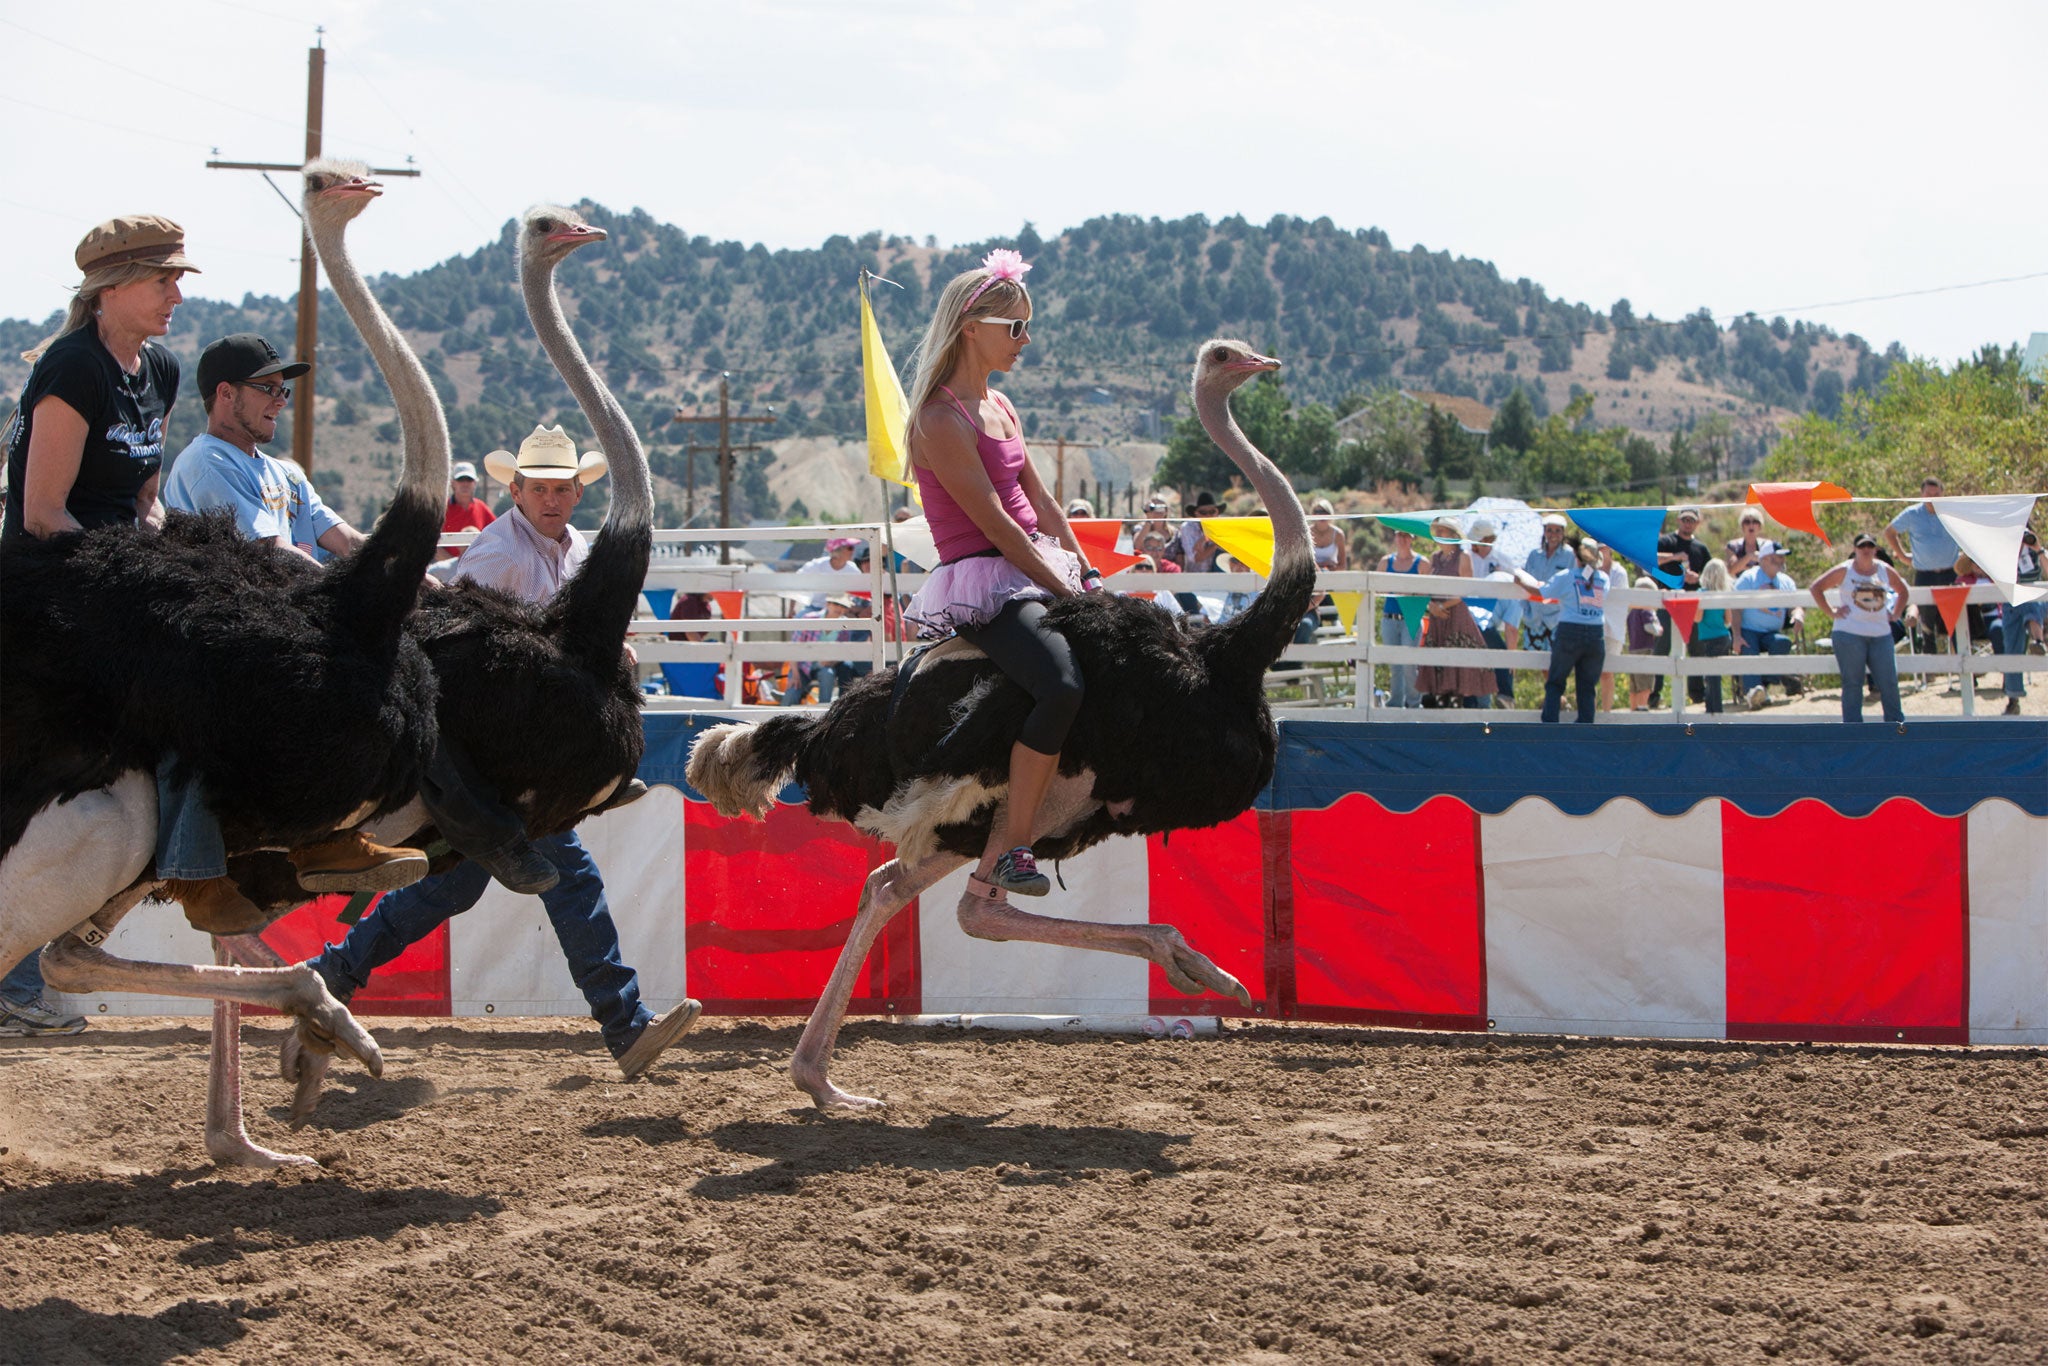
pixel 1016 325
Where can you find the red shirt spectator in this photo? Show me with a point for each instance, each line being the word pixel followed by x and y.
pixel 466 511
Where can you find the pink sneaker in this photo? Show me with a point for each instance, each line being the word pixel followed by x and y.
pixel 1017 871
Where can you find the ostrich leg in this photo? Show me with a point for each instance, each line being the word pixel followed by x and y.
pixel 71 964
pixel 996 919
pixel 889 889
pixel 227 1140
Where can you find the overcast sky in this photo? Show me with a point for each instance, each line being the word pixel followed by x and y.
pixel 1737 156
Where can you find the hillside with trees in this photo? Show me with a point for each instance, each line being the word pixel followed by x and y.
pixel 1589 397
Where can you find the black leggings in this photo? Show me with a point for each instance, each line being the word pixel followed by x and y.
pixel 1038 660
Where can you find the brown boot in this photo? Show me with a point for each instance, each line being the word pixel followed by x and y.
pixel 216 906
pixel 350 861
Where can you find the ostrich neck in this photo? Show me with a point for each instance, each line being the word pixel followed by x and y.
pixel 422 425
pixel 632 505
pixel 1291 548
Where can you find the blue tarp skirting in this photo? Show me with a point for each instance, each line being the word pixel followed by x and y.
pixel 1945 766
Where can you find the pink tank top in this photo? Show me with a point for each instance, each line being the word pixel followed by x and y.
pixel 954 531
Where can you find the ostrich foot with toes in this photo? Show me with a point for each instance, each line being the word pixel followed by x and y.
pixel 303 1060
pixel 1191 971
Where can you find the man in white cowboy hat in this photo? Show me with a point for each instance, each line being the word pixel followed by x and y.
pixel 530 551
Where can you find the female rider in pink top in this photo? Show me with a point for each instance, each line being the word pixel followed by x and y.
pixel 1005 550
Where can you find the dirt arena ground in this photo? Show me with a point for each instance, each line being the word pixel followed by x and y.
pixel 1279 1193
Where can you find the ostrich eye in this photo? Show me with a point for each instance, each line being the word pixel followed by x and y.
pixel 545 224
pixel 1220 354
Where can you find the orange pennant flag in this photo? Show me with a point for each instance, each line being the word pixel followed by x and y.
pixel 729 604
pixel 1098 536
pixel 1792 504
pixel 1684 612
pixel 1950 599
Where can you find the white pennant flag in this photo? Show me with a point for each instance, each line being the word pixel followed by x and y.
pixel 1988 529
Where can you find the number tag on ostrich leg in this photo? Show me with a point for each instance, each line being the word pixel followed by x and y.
pixel 986 891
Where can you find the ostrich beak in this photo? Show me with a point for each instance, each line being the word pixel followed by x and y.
pixel 1256 362
pixel 354 188
pixel 576 234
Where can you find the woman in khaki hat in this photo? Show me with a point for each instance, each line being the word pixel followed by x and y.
pixel 87 443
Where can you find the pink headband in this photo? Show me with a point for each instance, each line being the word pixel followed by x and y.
pixel 1001 264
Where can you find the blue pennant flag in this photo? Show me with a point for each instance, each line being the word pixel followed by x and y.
pixel 1632 534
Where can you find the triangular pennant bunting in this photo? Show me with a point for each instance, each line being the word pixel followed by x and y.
pixel 1951 598
pixel 1248 538
pixel 1347 610
pixel 1412 610
pixel 1988 529
pixel 1632 534
pixel 1792 504
pixel 1098 535
pixel 1684 612
pixel 888 411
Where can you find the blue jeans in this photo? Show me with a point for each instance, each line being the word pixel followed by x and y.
pixel 1858 655
pixel 2013 637
pixel 189 844
pixel 1755 642
pixel 1577 650
pixel 23 984
pixel 1394 631
pixel 575 906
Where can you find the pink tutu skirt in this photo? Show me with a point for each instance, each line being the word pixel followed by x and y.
pixel 966 594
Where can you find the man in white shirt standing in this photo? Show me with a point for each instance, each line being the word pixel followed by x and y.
pixel 531 552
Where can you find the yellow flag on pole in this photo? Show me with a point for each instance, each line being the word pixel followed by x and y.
pixel 1248 538
pixel 888 411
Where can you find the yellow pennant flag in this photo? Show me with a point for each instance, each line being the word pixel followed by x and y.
pixel 1248 538
pixel 1347 610
pixel 888 411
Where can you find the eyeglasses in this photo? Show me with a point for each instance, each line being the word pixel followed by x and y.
pixel 273 391
pixel 1017 326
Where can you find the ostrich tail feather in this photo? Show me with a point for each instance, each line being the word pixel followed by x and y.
pixel 739 768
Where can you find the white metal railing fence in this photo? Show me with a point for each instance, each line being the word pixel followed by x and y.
pixel 767 594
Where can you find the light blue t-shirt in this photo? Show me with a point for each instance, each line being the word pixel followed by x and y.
pixel 1581 595
pixel 1763 618
pixel 1541 565
pixel 268 497
pixel 1928 540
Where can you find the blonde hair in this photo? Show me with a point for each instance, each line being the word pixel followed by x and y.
pixel 1714 578
pixel 85 300
pixel 939 351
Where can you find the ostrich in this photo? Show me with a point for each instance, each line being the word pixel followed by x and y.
pixel 541 697
pixel 125 644
pixel 927 769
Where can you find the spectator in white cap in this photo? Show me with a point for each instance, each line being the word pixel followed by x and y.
pixel 1542 564
pixel 1080 507
pixel 466 511
pixel 1499 619
pixel 1763 628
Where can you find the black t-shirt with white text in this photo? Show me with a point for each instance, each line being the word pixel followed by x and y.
pixel 1695 552
pixel 124 426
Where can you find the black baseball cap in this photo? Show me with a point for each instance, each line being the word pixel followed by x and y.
pixel 244 356
pixel 1864 538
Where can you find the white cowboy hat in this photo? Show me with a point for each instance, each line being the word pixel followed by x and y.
pixel 547 454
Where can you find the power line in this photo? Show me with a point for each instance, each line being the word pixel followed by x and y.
pixel 101 123
pixel 145 76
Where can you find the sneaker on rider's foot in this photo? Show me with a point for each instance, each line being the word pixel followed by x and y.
pixel 656 1035
pixel 35 1020
pixel 1017 871
pixel 2036 647
pixel 350 861
pixel 1757 697
pixel 520 867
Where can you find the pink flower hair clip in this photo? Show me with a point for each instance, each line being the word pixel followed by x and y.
pixel 1001 264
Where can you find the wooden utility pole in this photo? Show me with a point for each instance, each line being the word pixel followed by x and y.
pixel 1059 472
pixel 309 276
pixel 726 450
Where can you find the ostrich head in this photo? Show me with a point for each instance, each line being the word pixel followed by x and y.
pixel 549 232
pixel 1222 364
pixel 338 190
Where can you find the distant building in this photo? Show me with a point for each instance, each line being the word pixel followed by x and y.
pixel 2035 364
